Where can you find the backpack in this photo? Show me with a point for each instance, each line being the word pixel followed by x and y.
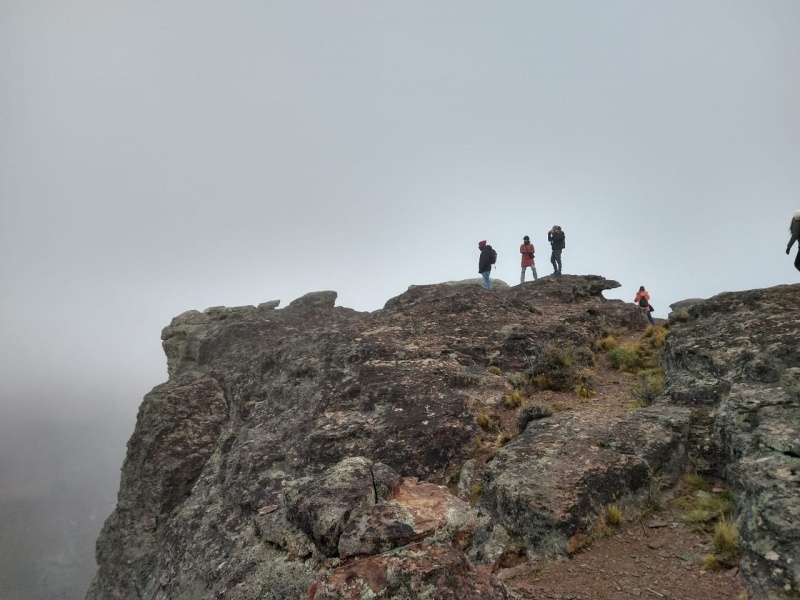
pixel 494 256
pixel 643 302
pixel 795 228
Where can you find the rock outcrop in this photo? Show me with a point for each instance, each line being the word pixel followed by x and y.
pixel 736 363
pixel 551 482
pixel 302 452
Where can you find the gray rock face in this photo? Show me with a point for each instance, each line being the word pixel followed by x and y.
pixel 270 305
pixel 425 571
pixel 737 362
pixel 323 507
pixel 550 482
pixel 497 284
pixel 312 300
pixel 242 500
pixel 177 431
pixel 292 453
pixel 684 304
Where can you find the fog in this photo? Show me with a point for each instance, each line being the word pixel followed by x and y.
pixel 58 486
pixel 158 157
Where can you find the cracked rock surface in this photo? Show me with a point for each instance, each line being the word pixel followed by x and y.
pixel 737 362
pixel 304 452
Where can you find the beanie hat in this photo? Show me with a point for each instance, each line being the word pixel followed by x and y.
pixel 482 244
pixel 526 239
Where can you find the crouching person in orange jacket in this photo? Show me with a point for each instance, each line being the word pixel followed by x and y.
pixel 643 300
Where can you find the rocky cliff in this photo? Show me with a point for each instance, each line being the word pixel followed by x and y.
pixel 318 452
pixel 736 363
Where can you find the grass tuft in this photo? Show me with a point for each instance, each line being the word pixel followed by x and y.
pixel 623 358
pixel 514 399
pixel 577 542
pixel 475 492
pixel 584 356
pixel 494 370
pixel 416 325
pixel 613 516
pixel 518 381
pixel 655 335
pixel 585 386
pixel 607 343
pixel 695 482
pixel 705 507
pixel 726 540
pixel 455 476
pixel 682 316
pixel 543 382
pixel 648 388
pixel 563 368
pixel 502 439
pixel 710 563
pixel 654 498
pixel 488 421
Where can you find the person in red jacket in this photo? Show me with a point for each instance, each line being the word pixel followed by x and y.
pixel 643 300
pixel 527 250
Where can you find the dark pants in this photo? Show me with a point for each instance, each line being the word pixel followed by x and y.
pixel 797 260
pixel 555 260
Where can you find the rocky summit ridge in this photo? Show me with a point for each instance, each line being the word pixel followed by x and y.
pixel 317 452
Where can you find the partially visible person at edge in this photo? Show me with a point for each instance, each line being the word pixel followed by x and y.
pixel 794 228
pixel 556 238
pixel 643 300
pixel 527 250
pixel 485 262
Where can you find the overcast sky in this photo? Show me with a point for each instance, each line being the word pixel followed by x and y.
pixel 161 156
pixel 158 156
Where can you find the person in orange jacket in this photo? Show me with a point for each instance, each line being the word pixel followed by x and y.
pixel 527 250
pixel 643 300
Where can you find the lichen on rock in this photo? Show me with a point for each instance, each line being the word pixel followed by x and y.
pixel 302 452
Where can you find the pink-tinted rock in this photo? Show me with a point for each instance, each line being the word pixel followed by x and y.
pixel 420 571
pixel 414 512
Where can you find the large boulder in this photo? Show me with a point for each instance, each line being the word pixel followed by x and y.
pixel 324 506
pixel 414 511
pixel 552 482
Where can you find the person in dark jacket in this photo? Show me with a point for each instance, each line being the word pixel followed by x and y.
pixel 556 238
pixel 794 228
pixel 485 262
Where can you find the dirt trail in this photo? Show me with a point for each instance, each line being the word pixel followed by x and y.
pixel 654 556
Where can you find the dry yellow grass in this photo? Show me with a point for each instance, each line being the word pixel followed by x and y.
pixel 613 516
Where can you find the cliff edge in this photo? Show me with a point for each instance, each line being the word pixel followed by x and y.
pixel 319 452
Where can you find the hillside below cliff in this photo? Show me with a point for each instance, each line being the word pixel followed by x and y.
pixel 447 444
